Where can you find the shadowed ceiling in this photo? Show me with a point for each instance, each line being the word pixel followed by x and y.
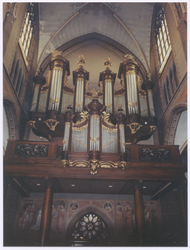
pixel 129 24
pixel 121 28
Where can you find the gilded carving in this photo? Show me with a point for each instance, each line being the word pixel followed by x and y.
pixel 94 164
pixel 57 68
pixel 101 86
pixel 122 83
pixel 51 123
pixel 84 116
pixel 142 92
pixel 129 56
pixel 109 129
pixel 86 87
pixel 152 129
pixel 106 117
pixel 79 128
pixel 94 93
pixel 79 164
pixel 65 163
pixel 32 124
pixel 55 53
pixel 107 63
pixel 134 127
pixel 81 61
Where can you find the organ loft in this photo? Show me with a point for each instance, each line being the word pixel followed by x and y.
pixel 95 124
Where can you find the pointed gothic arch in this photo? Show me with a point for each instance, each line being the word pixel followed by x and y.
pixel 89 209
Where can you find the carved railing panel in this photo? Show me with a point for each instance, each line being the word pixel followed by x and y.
pixel 31 150
pixel 154 154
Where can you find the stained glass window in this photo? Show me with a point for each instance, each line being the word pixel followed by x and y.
pixel 162 37
pixel 90 227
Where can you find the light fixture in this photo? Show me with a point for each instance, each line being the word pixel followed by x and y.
pixel 39 119
pixel 38 184
pixel 73 185
pixel 110 186
pixel 144 187
pixel 145 123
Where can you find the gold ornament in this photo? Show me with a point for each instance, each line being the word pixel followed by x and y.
pixel 32 124
pixel 51 123
pixel 134 127
pixel 152 129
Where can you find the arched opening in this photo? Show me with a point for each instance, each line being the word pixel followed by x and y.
pixel 90 230
pixel 181 130
pixel 5 130
pixel 10 128
pixel 91 226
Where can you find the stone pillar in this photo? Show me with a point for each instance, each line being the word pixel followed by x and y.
pixel 139 210
pixel 46 211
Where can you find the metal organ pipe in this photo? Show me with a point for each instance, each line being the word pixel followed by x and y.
pixel 55 92
pixel 107 78
pixel 80 76
pixel 95 132
pixel 79 95
pixel 132 94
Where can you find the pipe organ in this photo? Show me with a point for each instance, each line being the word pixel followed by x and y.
pixel 107 78
pixel 93 127
pixel 80 77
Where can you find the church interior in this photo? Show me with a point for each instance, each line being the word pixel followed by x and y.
pixel 95 124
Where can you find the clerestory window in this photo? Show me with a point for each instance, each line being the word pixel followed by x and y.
pixel 162 38
pixel 27 30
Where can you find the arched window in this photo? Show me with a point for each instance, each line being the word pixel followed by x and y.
pixel 174 74
pixel 19 80
pixel 168 88
pixel 21 87
pixel 90 228
pixel 27 30
pixel 16 73
pixel 171 80
pixel 162 37
pixel 165 93
pixel 5 130
pixel 13 66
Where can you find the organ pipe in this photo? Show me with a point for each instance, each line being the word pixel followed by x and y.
pixel 80 77
pixel 107 78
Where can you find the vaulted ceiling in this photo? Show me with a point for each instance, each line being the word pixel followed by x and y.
pixel 96 30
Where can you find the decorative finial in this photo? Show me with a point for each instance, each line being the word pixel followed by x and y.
pixel 129 56
pixel 81 61
pixel 39 72
pixel 107 63
pixel 94 93
pixel 55 53
pixel 120 108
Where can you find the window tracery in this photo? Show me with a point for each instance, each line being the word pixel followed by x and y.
pixel 162 37
pixel 90 227
pixel 27 30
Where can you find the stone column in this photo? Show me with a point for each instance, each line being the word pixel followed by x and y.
pixel 46 211
pixel 139 210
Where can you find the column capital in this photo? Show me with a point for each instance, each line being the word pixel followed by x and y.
pixel 49 182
